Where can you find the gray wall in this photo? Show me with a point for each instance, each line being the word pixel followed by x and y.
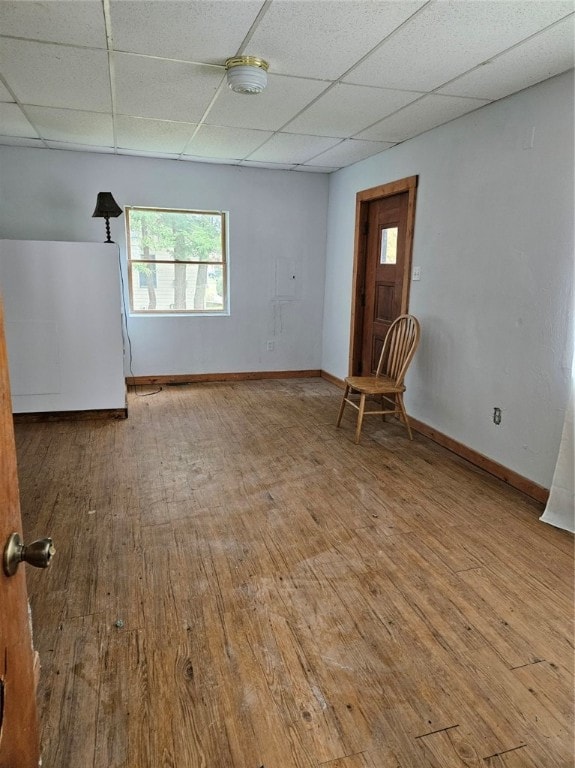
pixel 494 240
pixel 273 216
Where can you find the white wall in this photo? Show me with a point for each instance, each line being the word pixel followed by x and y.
pixel 494 240
pixel 274 215
pixel 63 325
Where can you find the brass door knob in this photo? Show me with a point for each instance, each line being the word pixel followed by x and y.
pixel 38 553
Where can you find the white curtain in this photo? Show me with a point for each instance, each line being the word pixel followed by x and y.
pixel 560 509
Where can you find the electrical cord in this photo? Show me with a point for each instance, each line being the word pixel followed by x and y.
pixel 127 332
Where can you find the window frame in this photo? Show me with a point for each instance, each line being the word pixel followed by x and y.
pixel 224 263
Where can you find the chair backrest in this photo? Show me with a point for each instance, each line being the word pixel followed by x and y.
pixel 399 348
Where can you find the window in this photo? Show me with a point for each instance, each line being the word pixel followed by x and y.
pixel 176 261
pixel 388 245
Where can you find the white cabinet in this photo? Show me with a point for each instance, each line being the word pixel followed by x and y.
pixel 63 322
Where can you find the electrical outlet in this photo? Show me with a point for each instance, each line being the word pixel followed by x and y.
pixel 416 274
pixel 497 415
pixel 271 346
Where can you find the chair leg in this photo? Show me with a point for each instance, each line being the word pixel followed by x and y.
pixel 404 414
pixel 342 406
pixel 359 418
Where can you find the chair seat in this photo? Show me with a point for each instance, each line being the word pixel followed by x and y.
pixel 374 385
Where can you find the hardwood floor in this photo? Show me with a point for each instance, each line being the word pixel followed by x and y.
pixel 238 585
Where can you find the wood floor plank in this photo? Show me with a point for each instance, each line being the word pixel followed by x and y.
pixel 237 585
pixel 255 729
pixel 517 605
pixel 545 681
pixel 554 565
pixel 516 758
pixel 451 750
pixel 361 760
pixel 537 727
pixel 69 685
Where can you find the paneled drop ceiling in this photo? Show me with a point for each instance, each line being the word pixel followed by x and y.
pixel 347 78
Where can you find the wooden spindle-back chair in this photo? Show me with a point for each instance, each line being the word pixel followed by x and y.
pixel 387 384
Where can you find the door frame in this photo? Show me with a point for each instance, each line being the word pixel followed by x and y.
pixel 362 201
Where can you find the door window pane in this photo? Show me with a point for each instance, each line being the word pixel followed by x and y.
pixel 388 245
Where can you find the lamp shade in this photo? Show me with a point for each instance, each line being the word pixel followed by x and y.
pixel 106 207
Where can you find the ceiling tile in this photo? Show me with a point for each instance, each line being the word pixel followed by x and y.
pixel 72 126
pixel 53 57
pixel 450 37
pixel 203 30
pixel 545 55
pixel 346 109
pixel 13 122
pixel 168 90
pixel 57 21
pixel 232 143
pixel 292 148
pixel 323 39
pixel 56 76
pixel 416 118
pixel 152 135
pixel 270 110
pixel 349 151
pixel 5 94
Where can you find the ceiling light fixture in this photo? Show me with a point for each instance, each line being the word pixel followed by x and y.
pixel 247 74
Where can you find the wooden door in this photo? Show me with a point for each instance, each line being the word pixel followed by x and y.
pixel 19 742
pixel 384 274
pixel 385 218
